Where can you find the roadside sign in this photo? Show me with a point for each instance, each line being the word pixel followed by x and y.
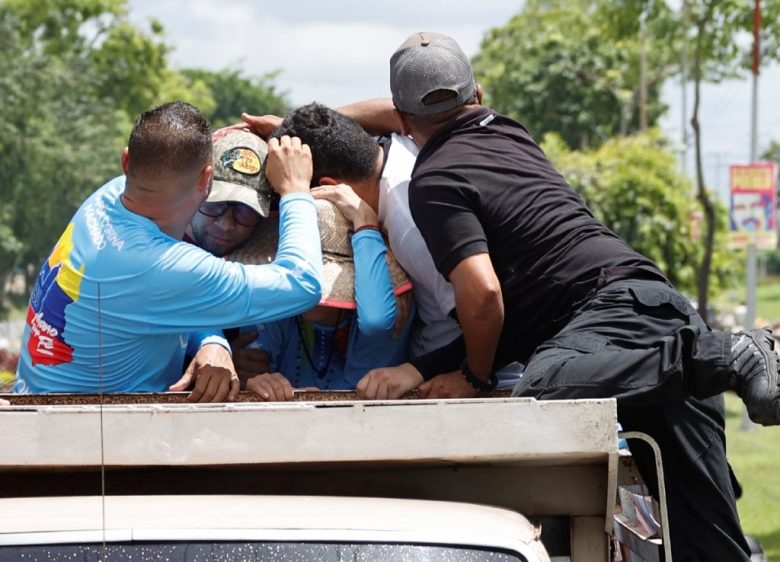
pixel 752 217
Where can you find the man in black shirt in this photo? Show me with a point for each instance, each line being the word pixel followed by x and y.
pixel 539 280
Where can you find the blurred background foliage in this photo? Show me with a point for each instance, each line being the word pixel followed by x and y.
pixel 634 186
pixel 576 73
pixel 74 75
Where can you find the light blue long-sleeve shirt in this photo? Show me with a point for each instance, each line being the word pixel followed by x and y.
pixel 118 302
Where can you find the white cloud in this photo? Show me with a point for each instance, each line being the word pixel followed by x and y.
pixel 335 53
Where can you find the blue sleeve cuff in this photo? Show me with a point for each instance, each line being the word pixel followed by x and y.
pixel 199 339
pixel 368 233
pixel 295 196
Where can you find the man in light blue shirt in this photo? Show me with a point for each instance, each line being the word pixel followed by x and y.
pixel 121 297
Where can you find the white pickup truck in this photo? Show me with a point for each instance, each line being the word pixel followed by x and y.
pixel 309 480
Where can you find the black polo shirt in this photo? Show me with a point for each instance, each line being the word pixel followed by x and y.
pixel 480 185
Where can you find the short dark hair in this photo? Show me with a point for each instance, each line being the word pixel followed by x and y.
pixel 340 147
pixel 170 139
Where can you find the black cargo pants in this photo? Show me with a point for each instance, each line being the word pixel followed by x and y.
pixel 641 342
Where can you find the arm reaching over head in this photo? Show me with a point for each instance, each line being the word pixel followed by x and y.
pixel 225 293
pixel 288 166
pixel 378 342
pixel 376 303
pixel 377 116
pixel 354 209
pixel 261 125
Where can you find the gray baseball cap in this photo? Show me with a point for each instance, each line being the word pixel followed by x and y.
pixel 427 62
pixel 238 171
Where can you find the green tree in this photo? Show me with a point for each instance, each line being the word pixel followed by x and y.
pixel 573 67
pixel 716 29
pixel 73 76
pixel 56 142
pixel 633 186
pixel 234 93
pixel 59 25
pixel 772 152
pixel 132 65
pixel 176 86
pixel 129 62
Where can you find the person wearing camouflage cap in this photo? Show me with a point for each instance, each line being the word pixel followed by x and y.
pixel 240 196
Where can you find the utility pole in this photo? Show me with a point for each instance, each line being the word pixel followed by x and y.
pixel 642 71
pixel 756 70
pixel 752 268
pixel 684 92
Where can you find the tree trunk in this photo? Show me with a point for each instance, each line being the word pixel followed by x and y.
pixel 642 73
pixel 706 203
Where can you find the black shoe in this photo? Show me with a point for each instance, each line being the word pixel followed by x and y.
pixel 754 364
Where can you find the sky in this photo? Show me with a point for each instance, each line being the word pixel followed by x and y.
pixel 338 52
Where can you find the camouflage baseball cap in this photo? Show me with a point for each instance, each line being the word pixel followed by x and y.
pixel 238 171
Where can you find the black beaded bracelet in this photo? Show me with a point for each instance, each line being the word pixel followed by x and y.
pixel 476 382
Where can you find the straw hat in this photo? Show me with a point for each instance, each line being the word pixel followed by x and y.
pixel 338 287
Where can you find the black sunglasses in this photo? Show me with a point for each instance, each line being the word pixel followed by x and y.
pixel 242 214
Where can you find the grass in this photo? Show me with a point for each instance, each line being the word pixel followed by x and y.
pixel 755 457
pixel 768 300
